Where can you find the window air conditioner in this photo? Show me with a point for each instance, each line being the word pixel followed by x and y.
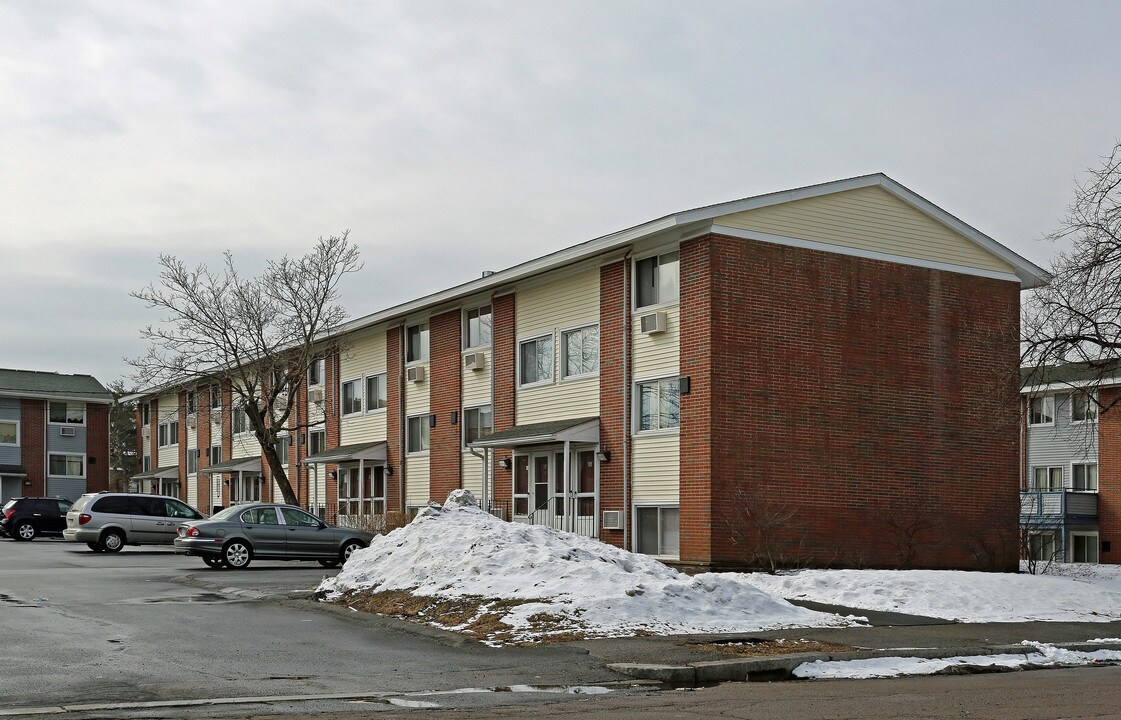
pixel 315 395
pixel 281 403
pixel 653 323
pixel 612 520
pixel 475 361
pixel 192 421
pixel 146 432
pixel 415 374
pixel 67 431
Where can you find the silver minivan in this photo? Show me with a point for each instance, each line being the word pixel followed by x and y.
pixel 106 521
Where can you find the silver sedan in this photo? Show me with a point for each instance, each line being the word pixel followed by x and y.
pixel 232 537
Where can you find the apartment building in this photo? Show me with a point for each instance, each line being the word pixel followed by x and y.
pixel 825 376
pixel 54 434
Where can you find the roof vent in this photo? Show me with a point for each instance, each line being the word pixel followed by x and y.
pixel 487 273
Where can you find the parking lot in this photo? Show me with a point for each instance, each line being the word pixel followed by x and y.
pixel 147 625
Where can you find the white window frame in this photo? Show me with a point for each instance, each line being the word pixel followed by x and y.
pixel 18 436
pixel 552 343
pixel 467 344
pixel 146 465
pixel 146 413
pixel 425 423
pixel 659 301
pixel 322 444
pixel 1043 534
pixel 425 343
pixel 563 353
pixel 1073 476
pixel 1091 408
pixel 1088 535
pixel 215 394
pixel 1050 479
pixel 366 391
pixel 210 460
pixel 192 454
pixel 361 397
pixel 1048 400
pixel 68 405
pixel 234 412
pixel 661 506
pixel 286 440
pixel 467 412
pixel 319 366
pixel 85 461
pixel 637 408
pixel 171 436
pixel 192 402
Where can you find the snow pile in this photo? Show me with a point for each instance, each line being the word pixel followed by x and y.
pixel 1044 656
pixel 566 582
pixel 955 595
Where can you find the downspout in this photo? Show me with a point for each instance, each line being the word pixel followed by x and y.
pixel 485 457
pixel 401 415
pixel 626 401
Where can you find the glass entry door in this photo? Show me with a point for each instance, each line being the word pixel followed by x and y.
pixel 543 495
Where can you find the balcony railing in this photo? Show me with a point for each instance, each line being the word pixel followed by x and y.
pixel 1038 505
pixel 580 524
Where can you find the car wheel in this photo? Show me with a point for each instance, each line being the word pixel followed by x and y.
pixel 25 531
pixel 215 562
pixel 348 549
pixel 237 554
pixel 96 547
pixel 112 541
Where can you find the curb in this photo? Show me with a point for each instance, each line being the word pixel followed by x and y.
pixel 781 667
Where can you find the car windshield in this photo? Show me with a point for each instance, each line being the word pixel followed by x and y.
pixel 226 514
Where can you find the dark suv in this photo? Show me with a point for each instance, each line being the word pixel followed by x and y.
pixel 28 517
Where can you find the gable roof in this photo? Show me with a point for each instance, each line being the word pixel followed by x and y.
pixel 52 386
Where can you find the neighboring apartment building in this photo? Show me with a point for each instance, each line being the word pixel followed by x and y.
pixel 807 375
pixel 54 434
pixel 1070 502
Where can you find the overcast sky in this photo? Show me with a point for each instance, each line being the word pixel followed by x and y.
pixel 452 138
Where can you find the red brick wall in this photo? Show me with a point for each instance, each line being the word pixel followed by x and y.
pixel 505 391
pixel 332 425
pixel 183 445
pixel 33 450
pixel 614 289
pixel 140 437
pixel 227 438
pixel 153 427
pixel 395 483
pixel 1109 475
pixel 202 498
pixel 97 447
pixel 875 404
pixel 445 391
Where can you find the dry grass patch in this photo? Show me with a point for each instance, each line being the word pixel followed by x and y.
pixel 759 648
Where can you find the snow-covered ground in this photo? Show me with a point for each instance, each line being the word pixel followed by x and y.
pixel 555 583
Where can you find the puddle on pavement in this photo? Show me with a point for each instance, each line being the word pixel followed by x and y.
pixel 181 599
pixel 413 700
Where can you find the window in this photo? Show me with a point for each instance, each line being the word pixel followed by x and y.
pixel 1047 478
pixel 245 488
pixel 352 397
pixel 316 372
pixel 659 404
pixel 240 420
pixel 192 403
pixel 215 397
pixel 1083 408
pixel 298 518
pixel 416 440
pixel 215 454
pixel 658 530
pixel 282 444
pixel 9 432
pixel 192 460
pixel 376 395
pixel 1041 546
pixel 146 413
pixel 68 413
pixel 1042 410
pixel 168 433
pixel 580 351
pixel 536 360
pixel 317 441
pixel 146 465
pixel 478 422
pixel 521 485
pixel 657 279
pixel 1084 547
pixel 416 343
pixel 1084 477
pixel 365 496
pixel 477 327
pixel 59 465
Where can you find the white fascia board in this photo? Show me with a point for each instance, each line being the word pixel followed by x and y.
pixel 1072 385
pixel 860 253
pixel 57 398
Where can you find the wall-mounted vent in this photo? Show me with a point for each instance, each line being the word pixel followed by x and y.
pixel 192 421
pixel 475 361
pixel 612 520
pixel 416 374
pixel 67 431
pixel 653 323
pixel 315 395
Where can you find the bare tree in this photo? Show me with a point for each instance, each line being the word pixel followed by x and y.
pixel 122 438
pixel 1076 318
pixel 258 335
pixel 765 527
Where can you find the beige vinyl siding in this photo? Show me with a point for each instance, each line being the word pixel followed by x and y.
pixel 655 468
pixel 659 354
pixel 472 474
pixel 476 383
pixel 366 356
pixel 193 490
pixel 870 219
pixel 567 303
pixel 168 412
pixel 417 473
pixel 416 395
pixel 245 445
